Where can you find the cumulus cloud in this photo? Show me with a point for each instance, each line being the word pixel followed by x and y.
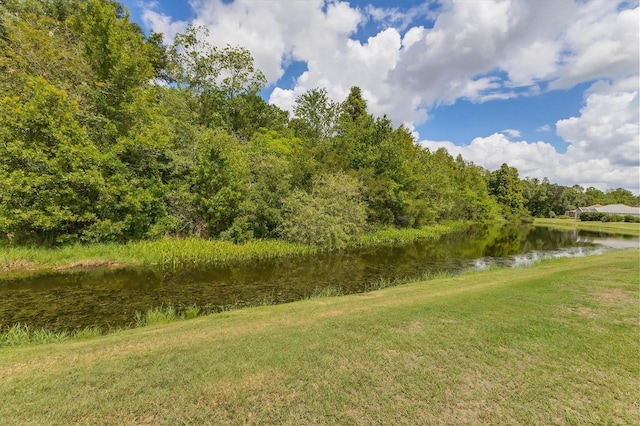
pixel 476 50
pixel 540 159
pixel 161 23
pixel 607 127
pixel 512 132
pixel 438 53
pixel 604 143
pixel 602 42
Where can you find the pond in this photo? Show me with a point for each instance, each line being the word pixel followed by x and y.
pixel 110 298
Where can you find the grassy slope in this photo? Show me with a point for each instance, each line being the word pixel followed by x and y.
pixel 553 344
pixel 621 228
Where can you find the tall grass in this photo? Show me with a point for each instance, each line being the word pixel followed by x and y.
pixel 383 283
pixel 189 252
pixel 193 251
pixel 391 236
pixel 22 334
pixel 168 252
pixel 156 316
pixel 323 292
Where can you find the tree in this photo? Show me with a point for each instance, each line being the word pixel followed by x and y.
pixel 535 197
pixel 49 169
pixel 224 80
pixel 327 216
pixel 621 196
pixel 506 187
pixel 472 198
pixel 37 45
pixel 261 210
pixel 219 181
pixel 118 54
pixel 354 107
pixel 315 115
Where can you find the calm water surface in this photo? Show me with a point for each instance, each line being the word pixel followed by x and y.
pixel 110 298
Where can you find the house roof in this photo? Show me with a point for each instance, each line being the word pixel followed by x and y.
pixel 618 209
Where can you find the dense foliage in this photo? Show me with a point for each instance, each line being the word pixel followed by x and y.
pixel 605 217
pixel 106 134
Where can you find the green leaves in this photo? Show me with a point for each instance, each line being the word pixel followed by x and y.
pixel 328 215
pixel 94 146
pixel 50 171
pixel 506 187
pixel 315 115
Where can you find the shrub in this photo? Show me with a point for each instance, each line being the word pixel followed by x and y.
pixel 191 312
pixel 155 316
pixel 327 216
pixel 592 216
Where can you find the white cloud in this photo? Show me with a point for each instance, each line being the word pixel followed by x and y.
pixel 512 133
pixel 604 143
pixel 163 24
pixel 606 128
pixel 479 50
pixel 401 19
pixel 602 43
pixel 544 128
pixel 540 159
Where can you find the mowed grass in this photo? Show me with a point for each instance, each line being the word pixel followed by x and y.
pixel 621 228
pixel 557 343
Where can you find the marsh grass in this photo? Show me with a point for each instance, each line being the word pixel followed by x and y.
pixel 155 316
pixel 172 253
pixel 22 334
pixel 323 292
pixel 393 236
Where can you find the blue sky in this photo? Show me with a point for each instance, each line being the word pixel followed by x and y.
pixel 550 88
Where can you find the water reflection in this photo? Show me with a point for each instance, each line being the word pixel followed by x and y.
pixel 110 298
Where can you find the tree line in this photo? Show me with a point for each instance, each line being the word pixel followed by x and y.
pixel 108 134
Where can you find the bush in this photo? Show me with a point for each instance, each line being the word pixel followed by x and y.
pixel 631 218
pixel 327 216
pixel 592 216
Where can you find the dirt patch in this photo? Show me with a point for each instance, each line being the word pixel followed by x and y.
pixel 83 264
pixel 20 264
pixel 579 310
pixel 615 297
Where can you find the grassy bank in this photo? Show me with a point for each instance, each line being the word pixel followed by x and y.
pixel 552 344
pixel 189 252
pixel 620 228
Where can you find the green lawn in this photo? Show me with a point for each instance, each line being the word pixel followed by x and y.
pixel 557 343
pixel 621 228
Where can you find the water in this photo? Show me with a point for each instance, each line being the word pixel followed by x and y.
pixel 110 298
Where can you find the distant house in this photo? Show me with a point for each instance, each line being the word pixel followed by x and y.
pixel 613 209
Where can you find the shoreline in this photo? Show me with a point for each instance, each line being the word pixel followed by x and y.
pixel 615 228
pixel 563 330
pixel 189 252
